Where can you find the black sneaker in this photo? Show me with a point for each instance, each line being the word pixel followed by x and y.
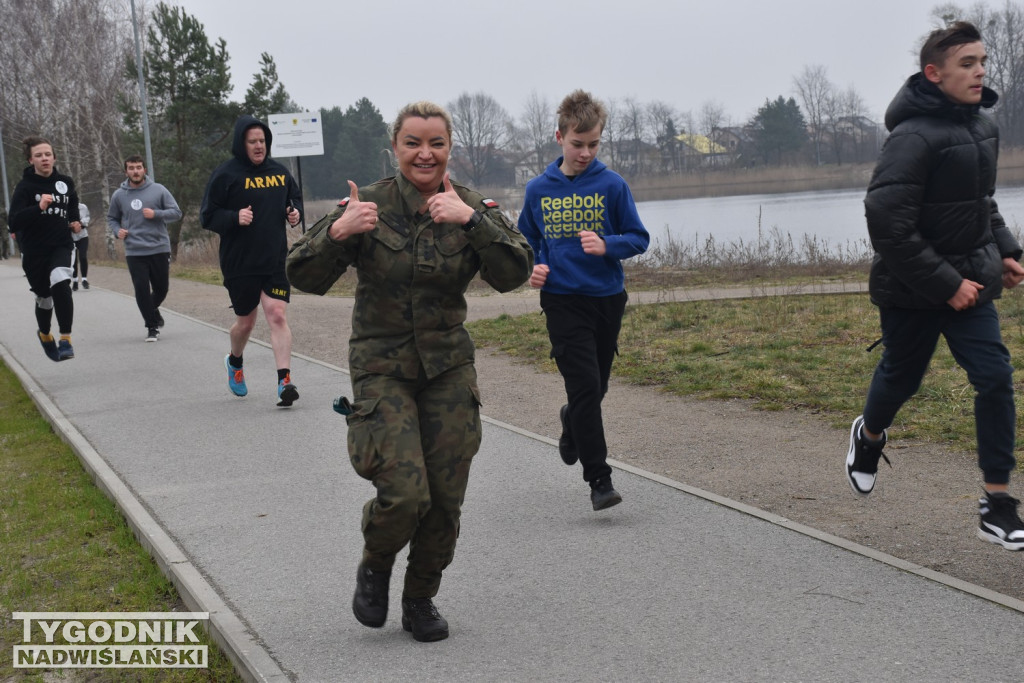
pixel 862 459
pixel 85 283
pixel 74 285
pixel 421 618
pixel 159 319
pixel 1000 522
pixel 566 446
pixel 602 494
pixel 152 334
pixel 287 393
pixel 370 603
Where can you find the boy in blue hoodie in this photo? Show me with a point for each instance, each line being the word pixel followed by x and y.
pixel 580 219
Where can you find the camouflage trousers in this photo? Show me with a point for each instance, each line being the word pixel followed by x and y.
pixel 415 440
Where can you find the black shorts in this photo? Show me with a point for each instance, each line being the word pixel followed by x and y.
pixel 245 290
pixel 48 268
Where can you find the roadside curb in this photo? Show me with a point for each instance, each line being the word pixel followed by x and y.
pixel 250 659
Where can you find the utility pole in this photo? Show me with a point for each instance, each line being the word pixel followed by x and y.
pixel 7 197
pixel 142 97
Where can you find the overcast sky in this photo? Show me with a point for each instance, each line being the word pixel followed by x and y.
pixel 736 53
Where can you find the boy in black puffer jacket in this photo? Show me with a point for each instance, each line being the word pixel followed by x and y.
pixel 943 254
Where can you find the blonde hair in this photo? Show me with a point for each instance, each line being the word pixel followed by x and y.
pixel 579 111
pixel 423 110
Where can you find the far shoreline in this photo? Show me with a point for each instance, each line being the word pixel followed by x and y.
pixel 757 181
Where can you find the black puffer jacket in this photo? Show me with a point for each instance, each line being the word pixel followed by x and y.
pixel 930 211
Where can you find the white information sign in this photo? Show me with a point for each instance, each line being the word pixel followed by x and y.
pixel 297 135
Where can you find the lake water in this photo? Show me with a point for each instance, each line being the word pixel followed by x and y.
pixel 835 216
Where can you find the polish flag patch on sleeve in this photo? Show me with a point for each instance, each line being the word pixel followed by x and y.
pixel 490 203
pixel 344 202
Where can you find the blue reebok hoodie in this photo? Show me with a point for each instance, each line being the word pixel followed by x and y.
pixel 556 209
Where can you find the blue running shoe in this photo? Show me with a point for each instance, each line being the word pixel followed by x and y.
pixel 287 394
pixel 64 350
pixel 236 378
pixel 49 346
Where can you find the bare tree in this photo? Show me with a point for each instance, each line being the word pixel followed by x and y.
pixel 633 126
pixel 536 133
pixel 612 136
pixel 710 118
pixel 815 91
pixel 482 129
pixel 658 115
pixel 864 141
pixel 63 78
pixel 943 15
pixel 661 132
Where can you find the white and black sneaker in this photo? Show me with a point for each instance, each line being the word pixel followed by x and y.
pixel 1000 522
pixel 862 459
pixel 152 334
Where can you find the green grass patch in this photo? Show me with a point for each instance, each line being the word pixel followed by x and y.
pixel 209 275
pixel 782 353
pixel 66 548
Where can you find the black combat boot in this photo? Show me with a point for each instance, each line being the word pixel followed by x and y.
pixel 370 603
pixel 421 617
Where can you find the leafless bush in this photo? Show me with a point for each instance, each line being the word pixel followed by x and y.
pixel 773 254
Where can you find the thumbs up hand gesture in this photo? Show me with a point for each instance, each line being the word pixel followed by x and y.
pixel 359 216
pixel 448 207
pixel 245 216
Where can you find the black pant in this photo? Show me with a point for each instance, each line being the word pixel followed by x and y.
pixel 584 333
pixel 82 247
pixel 975 341
pixel 151 277
pixel 49 277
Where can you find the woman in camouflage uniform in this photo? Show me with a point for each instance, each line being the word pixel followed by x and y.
pixel 416 241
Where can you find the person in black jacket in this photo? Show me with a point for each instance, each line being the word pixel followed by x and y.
pixel 247 202
pixel 943 254
pixel 44 213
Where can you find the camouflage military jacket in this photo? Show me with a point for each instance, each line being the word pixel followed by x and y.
pixel 410 302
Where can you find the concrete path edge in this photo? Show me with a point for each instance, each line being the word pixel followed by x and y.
pixel 249 657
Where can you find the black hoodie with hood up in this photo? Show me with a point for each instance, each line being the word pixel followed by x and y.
pixel 259 248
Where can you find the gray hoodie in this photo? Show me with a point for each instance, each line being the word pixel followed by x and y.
pixel 146 236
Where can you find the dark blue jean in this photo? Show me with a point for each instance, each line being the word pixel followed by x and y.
pixel 973 336
pixel 584 333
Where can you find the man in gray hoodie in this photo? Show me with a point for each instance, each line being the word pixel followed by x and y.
pixel 139 212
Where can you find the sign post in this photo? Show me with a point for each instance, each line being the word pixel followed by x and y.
pixel 297 135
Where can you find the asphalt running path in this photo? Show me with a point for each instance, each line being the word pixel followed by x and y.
pixel 255 510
